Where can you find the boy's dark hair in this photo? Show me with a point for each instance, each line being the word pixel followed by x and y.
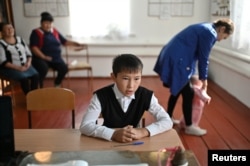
pixel 126 62
pixel 227 23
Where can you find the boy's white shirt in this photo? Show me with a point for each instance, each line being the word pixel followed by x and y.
pixel 89 127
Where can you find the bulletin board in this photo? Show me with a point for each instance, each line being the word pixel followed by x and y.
pixel 165 9
pixel 33 8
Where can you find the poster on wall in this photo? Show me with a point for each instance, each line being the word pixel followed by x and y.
pixel 220 8
pixel 165 9
pixel 33 8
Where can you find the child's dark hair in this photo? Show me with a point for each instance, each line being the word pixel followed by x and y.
pixel 126 62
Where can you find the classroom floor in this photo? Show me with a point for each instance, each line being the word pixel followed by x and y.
pixel 225 118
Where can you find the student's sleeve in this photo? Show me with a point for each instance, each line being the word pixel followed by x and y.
pixel 63 40
pixel 162 122
pixel 3 59
pixel 207 40
pixel 34 39
pixel 89 127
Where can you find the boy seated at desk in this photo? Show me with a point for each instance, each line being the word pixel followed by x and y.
pixel 122 105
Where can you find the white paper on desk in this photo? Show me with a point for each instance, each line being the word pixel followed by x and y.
pixel 142 164
pixel 69 163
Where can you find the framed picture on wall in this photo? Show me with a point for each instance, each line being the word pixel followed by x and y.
pixel 220 7
pixel 165 9
pixel 33 8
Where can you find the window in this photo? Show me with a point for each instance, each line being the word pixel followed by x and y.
pixel 240 15
pixel 99 18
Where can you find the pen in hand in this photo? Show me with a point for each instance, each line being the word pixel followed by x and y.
pixel 133 143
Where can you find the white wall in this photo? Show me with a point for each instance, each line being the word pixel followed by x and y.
pixel 145 28
pixel 231 73
pixel 150 33
pixel 229 68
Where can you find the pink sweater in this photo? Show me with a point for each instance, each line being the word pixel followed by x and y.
pixel 200 99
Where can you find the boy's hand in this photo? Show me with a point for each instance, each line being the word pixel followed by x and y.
pixel 128 134
pixel 123 134
pixel 138 133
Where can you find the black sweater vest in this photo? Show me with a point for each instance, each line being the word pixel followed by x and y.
pixel 112 112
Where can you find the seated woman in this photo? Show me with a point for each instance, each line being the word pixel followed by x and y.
pixel 46 45
pixel 15 59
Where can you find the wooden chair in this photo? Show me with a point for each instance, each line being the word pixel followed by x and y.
pixel 142 122
pixel 51 99
pixel 80 64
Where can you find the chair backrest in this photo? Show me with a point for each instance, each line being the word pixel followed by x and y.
pixel 77 58
pixel 77 50
pixel 51 99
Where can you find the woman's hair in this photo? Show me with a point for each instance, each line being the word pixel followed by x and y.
pixel 2 24
pixel 227 23
pixel 46 16
pixel 126 62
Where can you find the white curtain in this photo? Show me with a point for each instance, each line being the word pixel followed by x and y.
pixel 240 11
pixel 99 18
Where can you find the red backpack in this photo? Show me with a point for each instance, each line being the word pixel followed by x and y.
pixel 40 34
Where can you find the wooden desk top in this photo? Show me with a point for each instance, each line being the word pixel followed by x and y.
pixel 34 140
pixel 72 144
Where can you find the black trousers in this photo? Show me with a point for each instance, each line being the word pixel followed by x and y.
pixel 187 98
pixel 43 66
pixel 29 84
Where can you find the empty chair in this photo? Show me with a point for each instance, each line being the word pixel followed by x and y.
pixel 51 99
pixel 80 63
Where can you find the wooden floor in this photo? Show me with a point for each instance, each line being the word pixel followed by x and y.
pixel 226 119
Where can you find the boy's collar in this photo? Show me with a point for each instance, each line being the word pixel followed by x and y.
pixel 119 95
